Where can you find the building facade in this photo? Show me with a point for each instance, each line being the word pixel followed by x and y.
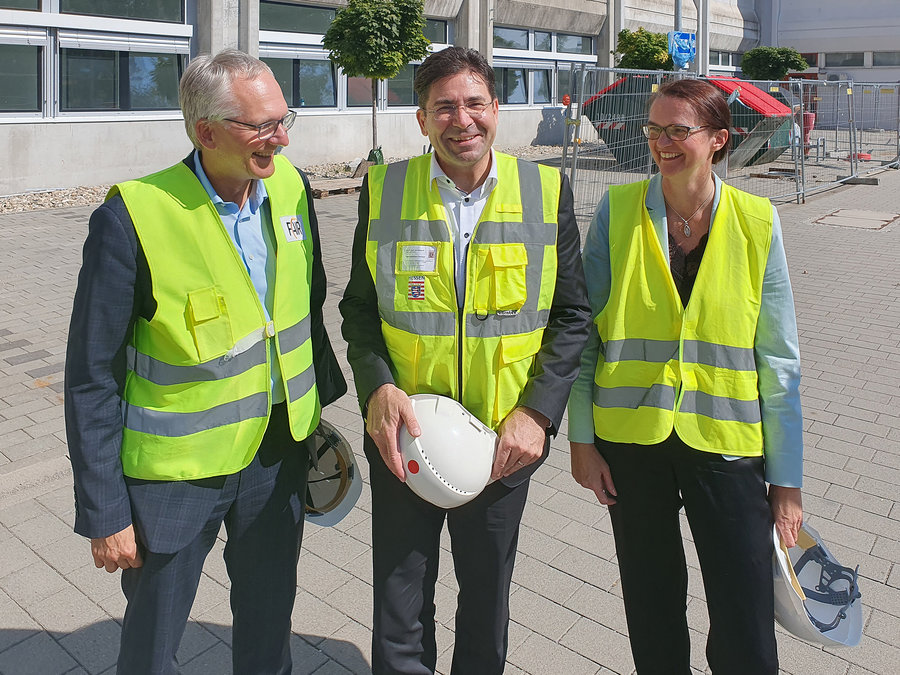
pixel 88 88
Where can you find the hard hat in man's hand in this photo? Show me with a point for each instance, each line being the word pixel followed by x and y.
pixel 450 463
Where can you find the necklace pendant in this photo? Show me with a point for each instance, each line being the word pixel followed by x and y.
pixel 686 229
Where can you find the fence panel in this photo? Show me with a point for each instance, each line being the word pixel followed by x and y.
pixel 789 139
pixel 877 117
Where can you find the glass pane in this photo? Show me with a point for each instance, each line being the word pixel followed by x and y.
pixel 316 84
pixel 20 82
pixel 436 31
pixel 400 89
pixel 153 80
pixel 153 10
pixel 573 44
pixel 838 59
pixel 20 4
pixel 359 92
pixel 294 18
pixel 511 85
pixel 564 84
pixel 811 58
pixel 886 58
pixel 283 70
pixel 543 42
pixel 88 79
pixel 541 86
pixel 510 38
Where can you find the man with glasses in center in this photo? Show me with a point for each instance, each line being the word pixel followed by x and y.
pixel 468 261
pixel 196 369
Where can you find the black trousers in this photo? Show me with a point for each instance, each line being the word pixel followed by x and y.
pixel 731 523
pixel 262 508
pixel 406 532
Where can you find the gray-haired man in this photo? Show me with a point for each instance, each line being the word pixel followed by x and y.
pixel 197 366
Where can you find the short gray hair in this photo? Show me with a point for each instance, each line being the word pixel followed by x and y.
pixel 205 89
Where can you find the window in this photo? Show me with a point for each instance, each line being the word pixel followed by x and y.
pixel 93 79
pixel 812 59
pixel 512 87
pixel 574 44
pixel 152 10
pixel 541 79
pixel 359 92
pixel 305 83
pixel 543 42
pixel 400 89
pixel 510 38
pixel 839 59
pixel 886 58
pixel 289 18
pixel 20 82
pixel 436 31
pixel 20 4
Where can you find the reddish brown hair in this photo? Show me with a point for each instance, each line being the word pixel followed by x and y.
pixel 706 100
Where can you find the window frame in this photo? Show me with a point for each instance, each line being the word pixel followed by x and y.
pixel 861 64
pixel 53 31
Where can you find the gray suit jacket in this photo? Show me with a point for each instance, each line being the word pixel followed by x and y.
pixel 114 288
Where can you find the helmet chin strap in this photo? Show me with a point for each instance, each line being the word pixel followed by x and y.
pixel 830 574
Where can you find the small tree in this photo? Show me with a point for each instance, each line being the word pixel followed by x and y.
pixel 376 39
pixel 643 49
pixel 771 63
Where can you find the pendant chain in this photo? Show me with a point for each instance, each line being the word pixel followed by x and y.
pixel 685 222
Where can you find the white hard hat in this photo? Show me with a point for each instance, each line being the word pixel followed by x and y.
pixel 332 484
pixel 450 463
pixel 815 597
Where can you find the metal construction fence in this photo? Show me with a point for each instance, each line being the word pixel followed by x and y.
pixel 788 139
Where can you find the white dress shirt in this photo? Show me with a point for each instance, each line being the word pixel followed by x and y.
pixel 463 213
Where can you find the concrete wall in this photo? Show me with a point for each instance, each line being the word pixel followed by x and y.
pixel 46 155
pixel 584 17
pixel 734 25
pixel 840 26
pixel 42 156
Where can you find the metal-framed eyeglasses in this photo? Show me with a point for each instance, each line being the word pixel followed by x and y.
pixel 266 130
pixel 675 132
pixel 474 109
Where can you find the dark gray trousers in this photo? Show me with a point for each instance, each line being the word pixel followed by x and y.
pixel 262 509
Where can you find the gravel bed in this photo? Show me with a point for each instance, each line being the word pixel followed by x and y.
pixel 85 196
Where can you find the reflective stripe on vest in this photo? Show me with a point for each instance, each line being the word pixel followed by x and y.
pixel 510 278
pixel 197 393
pixel 691 368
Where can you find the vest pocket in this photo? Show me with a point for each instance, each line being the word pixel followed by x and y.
pixel 500 283
pixel 403 349
pixel 515 361
pixel 208 321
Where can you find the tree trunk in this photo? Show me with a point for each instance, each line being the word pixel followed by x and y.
pixel 374 112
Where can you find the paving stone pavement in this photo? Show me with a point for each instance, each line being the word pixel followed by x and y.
pixel 58 614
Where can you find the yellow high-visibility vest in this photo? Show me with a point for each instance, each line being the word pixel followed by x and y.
pixel 483 354
pixel 664 365
pixel 198 389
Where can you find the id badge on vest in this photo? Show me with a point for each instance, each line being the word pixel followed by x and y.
pixel 293 228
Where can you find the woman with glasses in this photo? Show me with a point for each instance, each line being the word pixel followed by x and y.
pixel 688 393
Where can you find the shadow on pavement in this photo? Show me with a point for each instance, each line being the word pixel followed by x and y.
pixel 204 650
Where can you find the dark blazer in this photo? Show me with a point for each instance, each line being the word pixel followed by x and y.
pixel 114 288
pixel 557 362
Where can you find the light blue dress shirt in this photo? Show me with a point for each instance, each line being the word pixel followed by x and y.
pixel 776 347
pixel 251 232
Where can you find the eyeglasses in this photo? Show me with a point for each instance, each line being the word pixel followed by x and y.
pixel 475 110
pixel 676 132
pixel 266 130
